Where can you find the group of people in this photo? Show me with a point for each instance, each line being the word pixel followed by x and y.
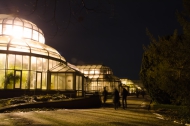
pixel 138 92
pixel 116 98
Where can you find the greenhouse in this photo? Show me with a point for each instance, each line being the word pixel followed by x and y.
pixel 29 66
pixel 99 76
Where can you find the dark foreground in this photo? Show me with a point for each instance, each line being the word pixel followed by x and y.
pixel 135 115
pixel 83 117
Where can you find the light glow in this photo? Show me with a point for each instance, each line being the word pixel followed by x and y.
pixel 97 72
pixel 20 28
pixel 17 32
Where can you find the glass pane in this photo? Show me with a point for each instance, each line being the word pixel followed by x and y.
pixel 27 33
pixel 69 81
pixel 25 78
pixel 3 47
pixel 54 63
pixel 53 54
pixel 17 31
pixel 44 78
pixel 17 79
pixel 41 38
pixel 61 81
pixel 28 25
pixel 17 21
pixel 33 63
pixel 91 71
pixel 7 29
pixel 77 82
pixel 39 64
pixel 80 83
pixel 2 78
pixel 39 80
pixel 45 64
pixel 35 28
pixel 4 39
pixel 35 35
pixel 3 60
pixel 79 93
pixel 50 64
pixel 11 61
pixel 9 79
pixel 32 80
pixel 26 62
pixel 97 71
pixel 53 81
pixel 7 21
pixel 39 51
pixel 18 64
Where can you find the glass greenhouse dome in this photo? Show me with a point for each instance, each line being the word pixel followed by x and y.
pixel 100 76
pixel 26 63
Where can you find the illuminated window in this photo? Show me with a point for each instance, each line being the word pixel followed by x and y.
pixel 85 72
pixel 97 72
pixel 92 72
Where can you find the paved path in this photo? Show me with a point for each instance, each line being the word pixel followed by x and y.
pixel 134 115
pixel 133 102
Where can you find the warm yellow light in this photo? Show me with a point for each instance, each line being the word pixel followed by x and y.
pixel 97 72
pixel 85 72
pixel 17 32
pixel 92 72
pixel 7 29
pixel 20 28
pixel 96 76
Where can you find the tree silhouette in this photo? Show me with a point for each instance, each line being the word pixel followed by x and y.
pixel 165 70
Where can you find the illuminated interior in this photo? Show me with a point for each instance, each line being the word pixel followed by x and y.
pixel 27 63
pixel 100 76
pixel 132 85
pixel 20 28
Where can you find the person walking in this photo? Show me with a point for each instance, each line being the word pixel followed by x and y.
pixel 124 98
pixel 143 93
pixel 116 98
pixel 105 94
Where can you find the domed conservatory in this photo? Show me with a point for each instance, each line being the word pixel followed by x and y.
pixel 29 66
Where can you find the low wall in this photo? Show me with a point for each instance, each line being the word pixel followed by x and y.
pixel 10 93
pixel 76 103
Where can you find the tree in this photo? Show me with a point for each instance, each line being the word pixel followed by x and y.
pixel 165 69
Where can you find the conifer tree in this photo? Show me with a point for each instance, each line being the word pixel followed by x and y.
pixel 165 69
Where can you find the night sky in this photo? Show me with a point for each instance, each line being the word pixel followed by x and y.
pixel 112 34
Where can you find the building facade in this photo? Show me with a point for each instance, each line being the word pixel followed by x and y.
pixel 99 76
pixel 132 85
pixel 29 66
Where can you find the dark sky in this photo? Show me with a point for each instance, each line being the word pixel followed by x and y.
pixel 113 37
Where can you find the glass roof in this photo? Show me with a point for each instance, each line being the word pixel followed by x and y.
pixel 28 46
pixel 112 78
pixel 20 28
pixel 89 66
pixel 72 66
pixel 98 72
pixel 93 71
pixel 17 34
pixel 62 68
